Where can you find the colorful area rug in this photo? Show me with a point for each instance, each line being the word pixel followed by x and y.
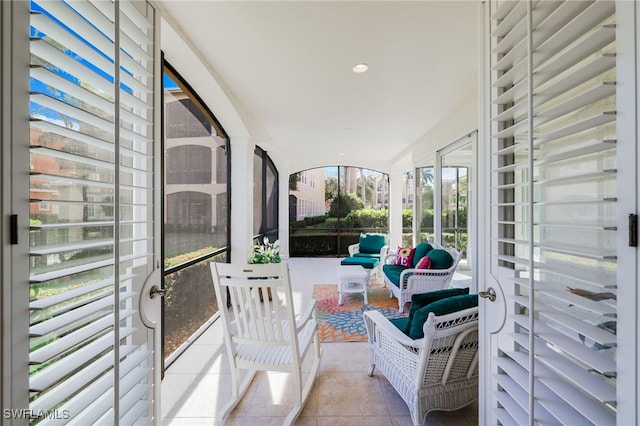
pixel 344 323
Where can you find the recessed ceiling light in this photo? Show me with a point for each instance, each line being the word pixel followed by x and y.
pixel 360 68
pixel 341 154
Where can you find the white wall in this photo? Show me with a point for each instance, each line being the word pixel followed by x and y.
pixel 452 128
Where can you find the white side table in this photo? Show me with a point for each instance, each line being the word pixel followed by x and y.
pixel 352 279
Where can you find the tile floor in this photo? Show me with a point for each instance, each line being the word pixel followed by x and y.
pixel 198 383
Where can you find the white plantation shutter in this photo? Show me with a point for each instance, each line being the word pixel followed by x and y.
pixel 554 184
pixel 91 139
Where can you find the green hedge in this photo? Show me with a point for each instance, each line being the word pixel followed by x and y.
pixel 321 245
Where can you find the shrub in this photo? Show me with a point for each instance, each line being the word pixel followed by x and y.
pixel 342 204
pixel 407 218
pixel 368 218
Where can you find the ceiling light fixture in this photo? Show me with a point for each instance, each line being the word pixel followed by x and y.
pixel 360 68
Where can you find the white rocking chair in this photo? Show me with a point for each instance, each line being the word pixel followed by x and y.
pixel 261 331
pixel 437 372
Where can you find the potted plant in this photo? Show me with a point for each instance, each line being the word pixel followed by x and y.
pixel 267 252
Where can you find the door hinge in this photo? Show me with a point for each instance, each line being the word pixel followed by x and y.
pixel 633 230
pixel 13 229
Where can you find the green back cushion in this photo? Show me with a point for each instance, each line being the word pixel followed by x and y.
pixel 440 259
pixel 423 299
pixel 400 323
pixel 440 307
pixel 421 250
pixel 371 243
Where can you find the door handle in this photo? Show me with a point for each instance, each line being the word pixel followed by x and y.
pixel 489 294
pixel 156 291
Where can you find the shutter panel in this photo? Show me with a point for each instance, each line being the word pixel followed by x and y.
pixel 554 179
pixel 91 237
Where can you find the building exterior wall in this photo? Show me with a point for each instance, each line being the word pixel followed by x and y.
pixel 310 194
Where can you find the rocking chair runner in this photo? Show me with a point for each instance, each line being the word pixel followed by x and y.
pixel 263 333
pixel 437 372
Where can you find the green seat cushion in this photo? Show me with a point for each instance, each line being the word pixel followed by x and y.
pixel 440 259
pixel 401 323
pixel 421 251
pixel 440 307
pixel 365 262
pixel 367 255
pixel 421 300
pixel 371 243
pixel 392 272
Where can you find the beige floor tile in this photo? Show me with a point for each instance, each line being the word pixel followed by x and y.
pixel 195 395
pixel 271 395
pixel 402 421
pixel 350 394
pixel 354 421
pixel 395 403
pixel 446 418
pixel 348 357
pixel 306 421
pixel 201 359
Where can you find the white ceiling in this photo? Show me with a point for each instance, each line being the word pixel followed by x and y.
pixel 289 63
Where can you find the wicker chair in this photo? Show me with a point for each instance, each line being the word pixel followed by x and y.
pixel 372 246
pixel 416 281
pixel 438 372
pixel 261 331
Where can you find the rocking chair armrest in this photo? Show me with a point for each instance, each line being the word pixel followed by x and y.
pixel 374 319
pixel 308 314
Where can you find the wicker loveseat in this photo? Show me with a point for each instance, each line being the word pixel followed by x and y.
pixel 406 280
pixel 438 371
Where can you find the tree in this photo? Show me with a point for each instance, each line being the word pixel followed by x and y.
pixel 342 204
pixel 330 188
pixel 294 178
pixel 426 176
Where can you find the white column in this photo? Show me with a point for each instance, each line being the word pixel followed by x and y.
pixel 283 211
pixel 241 199
pixel 395 209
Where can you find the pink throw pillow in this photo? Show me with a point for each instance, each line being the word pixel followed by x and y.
pixel 424 263
pixel 404 256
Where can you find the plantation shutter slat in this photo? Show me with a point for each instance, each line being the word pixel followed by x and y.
pixel 579 101
pixel 64 37
pixel 592 332
pixel 63 344
pixel 579 406
pixel 67 365
pixel 91 232
pixel 66 296
pixel 71 111
pixel 56 129
pixel 70 225
pixel 567 297
pixel 53 80
pixel 577 350
pixel 587 69
pixel 94 36
pixel 78 159
pixel 521 398
pixel 554 199
pixel 61 273
pixel 516 411
pixel 133 102
pixel 50 54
